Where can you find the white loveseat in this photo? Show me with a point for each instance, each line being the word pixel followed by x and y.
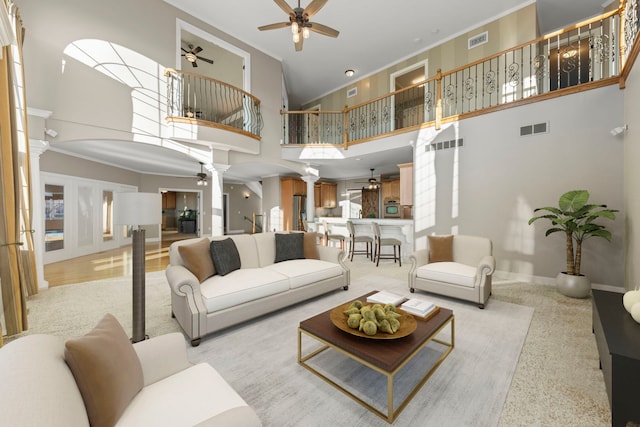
pixel 258 287
pixel 465 272
pixel 39 389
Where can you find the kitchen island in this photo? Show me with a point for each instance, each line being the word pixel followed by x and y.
pixel 401 229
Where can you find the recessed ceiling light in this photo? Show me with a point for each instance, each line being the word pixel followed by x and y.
pixel 349 73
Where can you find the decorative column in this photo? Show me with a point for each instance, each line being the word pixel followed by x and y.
pixel 36 148
pixel 217 207
pixel 311 196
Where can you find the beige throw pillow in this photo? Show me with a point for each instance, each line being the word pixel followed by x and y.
pixel 106 369
pixel 196 257
pixel 310 246
pixel 440 248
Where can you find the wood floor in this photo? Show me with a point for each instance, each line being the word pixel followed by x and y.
pixel 107 264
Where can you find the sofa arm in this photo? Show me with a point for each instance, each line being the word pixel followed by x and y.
pixel 337 255
pixel 178 277
pixel 417 259
pixel 487 265
pixel 162 356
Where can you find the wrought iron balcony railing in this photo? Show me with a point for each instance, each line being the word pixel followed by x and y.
pixel 192 98
pixel 583 56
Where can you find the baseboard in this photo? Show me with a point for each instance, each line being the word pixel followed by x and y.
pixel 510 277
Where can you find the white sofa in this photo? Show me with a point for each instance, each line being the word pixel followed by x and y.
pixel 467 276
pixel 39 389
pixel 259 287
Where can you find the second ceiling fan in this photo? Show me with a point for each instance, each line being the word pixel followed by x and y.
pixel 192 56
pixel 299 22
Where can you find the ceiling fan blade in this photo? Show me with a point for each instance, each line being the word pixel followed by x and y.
pixel 184 50
pixel 196 50
pixel 323 29
pixel 275 26
pixel 314 7
pixel 284 6
pixel 193 64
pixel 299 44
pixel 210 61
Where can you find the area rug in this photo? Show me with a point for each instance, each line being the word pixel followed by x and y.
pixel 73 310
pixel 259 359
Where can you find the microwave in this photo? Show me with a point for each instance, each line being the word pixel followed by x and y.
pixel 391 209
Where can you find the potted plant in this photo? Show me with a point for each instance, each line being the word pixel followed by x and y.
pixel 576 218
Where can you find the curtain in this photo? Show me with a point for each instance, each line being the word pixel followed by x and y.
pixel 17 260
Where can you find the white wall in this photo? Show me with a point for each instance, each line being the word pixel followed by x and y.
pixel 492 184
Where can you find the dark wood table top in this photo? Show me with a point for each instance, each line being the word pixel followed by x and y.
pixel 386 354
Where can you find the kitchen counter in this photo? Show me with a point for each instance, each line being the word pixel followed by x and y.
pixel 401 229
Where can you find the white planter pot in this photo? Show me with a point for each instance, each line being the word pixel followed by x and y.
pixel 573 286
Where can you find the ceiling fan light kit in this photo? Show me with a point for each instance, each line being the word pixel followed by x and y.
pixel 202 177
pixel 192 56
pixel 373 184
pixel 299 22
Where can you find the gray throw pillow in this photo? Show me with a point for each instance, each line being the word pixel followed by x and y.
pixel 225 256
pixel 289 246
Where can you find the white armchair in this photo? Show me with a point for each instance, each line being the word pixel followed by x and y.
pixel 467 275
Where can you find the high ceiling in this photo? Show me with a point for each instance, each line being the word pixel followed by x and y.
pixel 374 34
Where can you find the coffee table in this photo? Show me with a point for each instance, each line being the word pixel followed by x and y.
pixel 386 356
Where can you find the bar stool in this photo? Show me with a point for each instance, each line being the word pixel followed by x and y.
pixel 353 239
pixel 385 241
pixel 330 237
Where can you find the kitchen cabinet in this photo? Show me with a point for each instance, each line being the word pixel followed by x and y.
pixel 406 184
pixel 169 200
pixel 391 190
pixel 295 186
pixel 329 194
pixel 317 195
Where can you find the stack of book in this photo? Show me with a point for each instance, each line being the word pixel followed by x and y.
pixel 419 307
pixel 386 297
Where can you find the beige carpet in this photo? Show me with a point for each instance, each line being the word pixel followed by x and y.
pixel 556 383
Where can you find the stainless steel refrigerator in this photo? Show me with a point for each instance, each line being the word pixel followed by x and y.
pixel 299 212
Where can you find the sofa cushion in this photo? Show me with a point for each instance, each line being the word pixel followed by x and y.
pixel 265 244
pixel 36 385
pixel 240 286
pixel 186 398
pixel 302 272
pixel 225 256
pixel 440 248
pixel 448 272
pixel 289 246
pixel 197 259
pixel 310 246
pixel 106 369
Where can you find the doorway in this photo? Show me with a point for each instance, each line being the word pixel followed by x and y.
pixel 181 214
pixel 407 106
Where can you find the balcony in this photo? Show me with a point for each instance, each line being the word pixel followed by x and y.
pixel 202 109
pixel 584 56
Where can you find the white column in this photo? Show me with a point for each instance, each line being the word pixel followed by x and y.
pixel 311 196
pixel 36 148
pixel 217 214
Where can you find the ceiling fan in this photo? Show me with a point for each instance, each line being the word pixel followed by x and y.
pixel 299 22
pixel 372 184
pixel 192 56
pixel 202 177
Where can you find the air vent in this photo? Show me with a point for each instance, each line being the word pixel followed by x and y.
pixel 534 129
pixel 352 92
pixel 478 40
pixel 444 145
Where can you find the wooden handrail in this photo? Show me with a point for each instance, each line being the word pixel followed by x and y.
pixel 168 72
